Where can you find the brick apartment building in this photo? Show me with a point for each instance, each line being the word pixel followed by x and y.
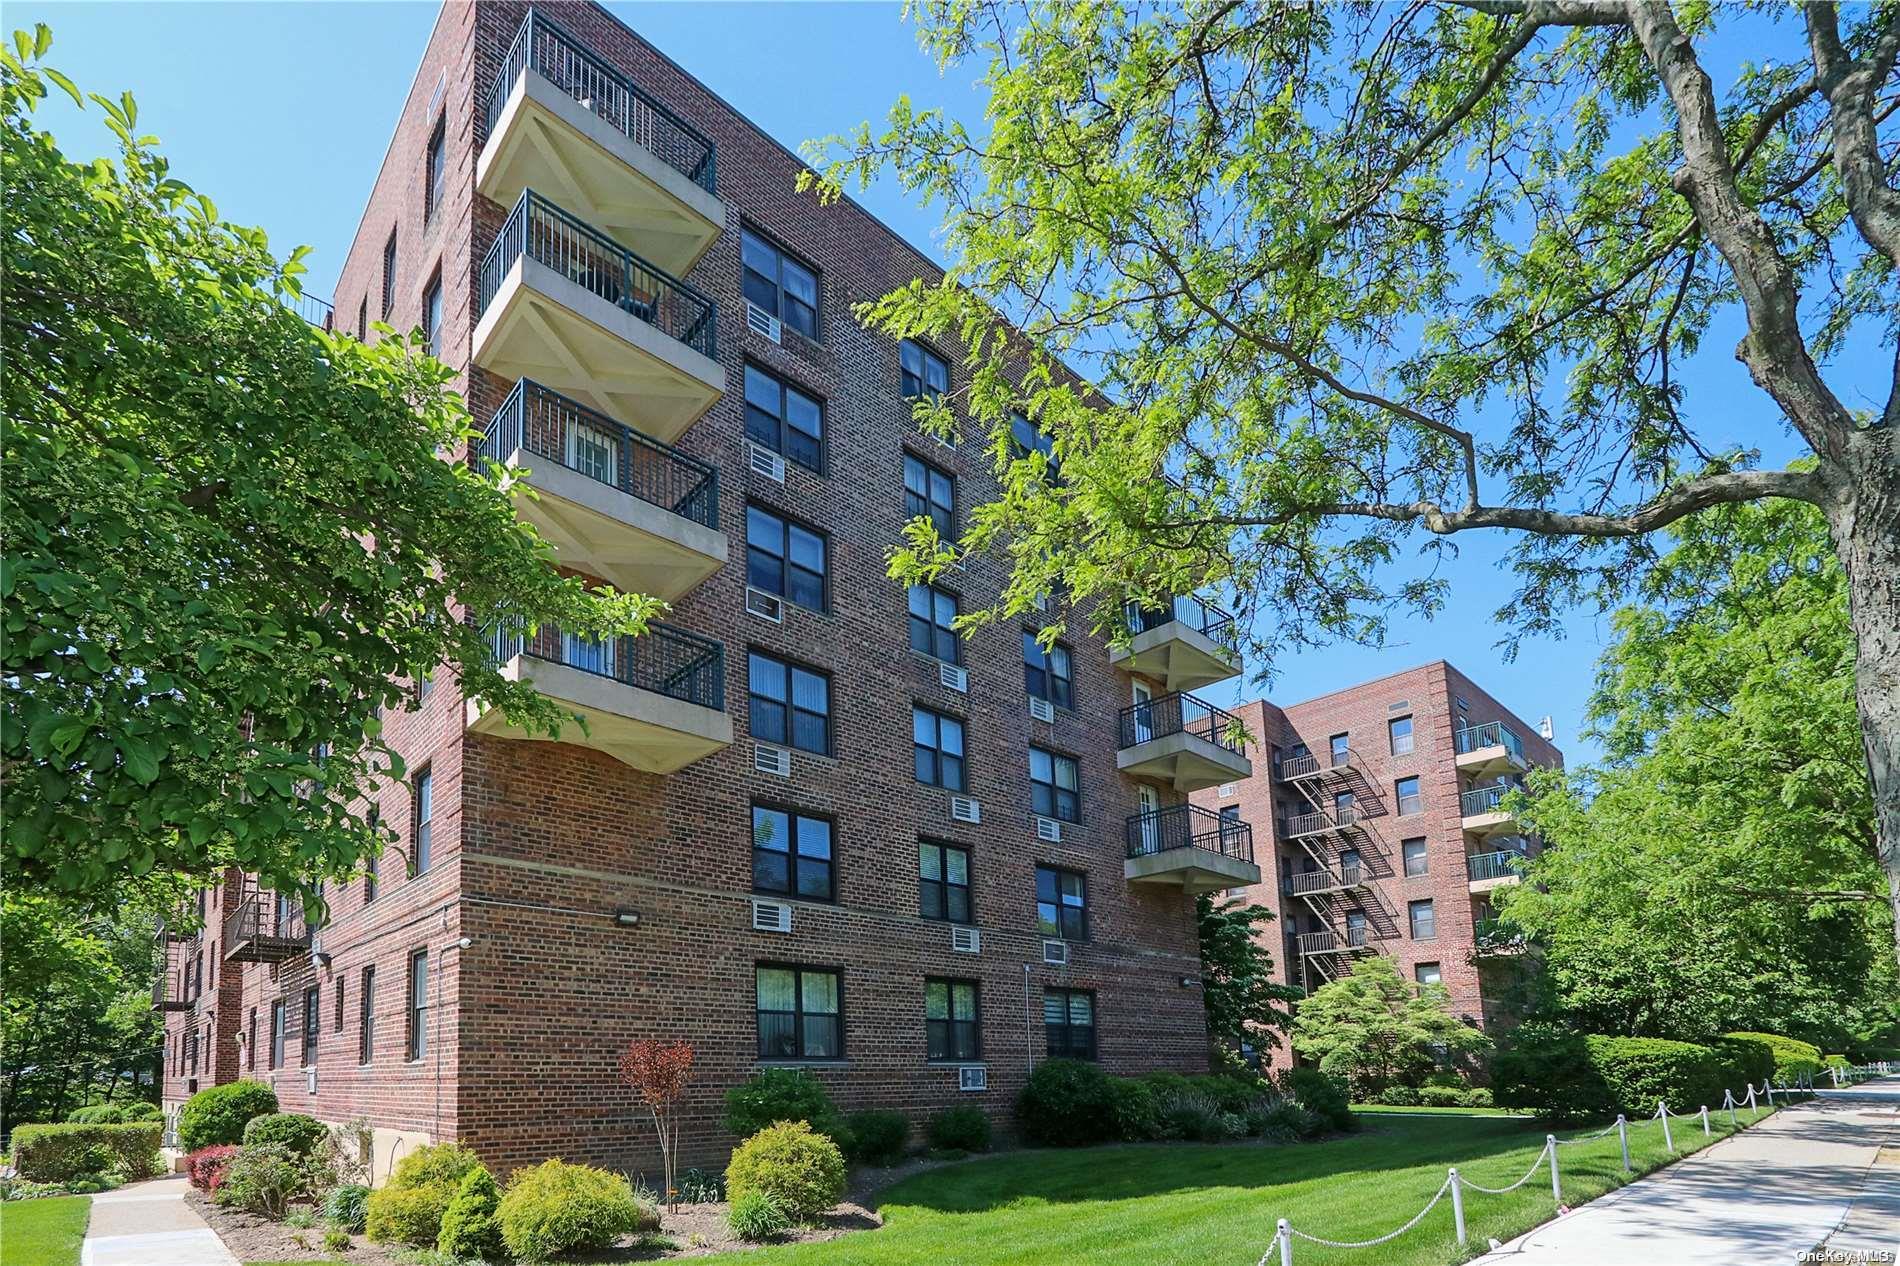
pixel 738 851
pixel 1375 812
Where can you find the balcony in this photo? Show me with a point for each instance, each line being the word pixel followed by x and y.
pixel 1182 741
pixel 264 927
pixel 1485 871
pixel 1192 847
pixel 656 702
pixel 1481 809
pixel 1186 644
pixel 1319 822
pixel 569 307
pixel 1492 938
pixel 1355 940
pixel 1491 750
pixel 1306 767
pixel 1319 883
pixel 561 119
pixel 614 503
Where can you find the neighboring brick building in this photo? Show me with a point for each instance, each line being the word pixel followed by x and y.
pixel 1374 811
pixel 736 852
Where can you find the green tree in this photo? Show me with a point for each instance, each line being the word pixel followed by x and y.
pixel 1718 871
pixel 1377 1029
pixel 1360 278
pixel 1244 1003
pixel 232 539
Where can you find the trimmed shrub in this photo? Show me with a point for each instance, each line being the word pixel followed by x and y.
pixel 347 1207
pixel 301 1134
pixel 1067 1103
pixel 1476 1097
pixel 555 1207
pixel 1789 1058
pixel 1442 1097
pixel 757 1217
pixel 1566 1077
pixel 878 1137
pixel 68 1151
pixel 205 1167
pixel 962 1128
pixel 264 1180
pixel 802 1170
pixel 772 1095
pixel 409 1208
pixel 1399 1097
pixel 1322 1095
pixel 220 1113
pixel 1284 1121
pixel 469 1228
pixel 1135 1110
pixel 115 1113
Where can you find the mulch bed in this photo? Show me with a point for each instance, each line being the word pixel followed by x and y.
pixel 254 1239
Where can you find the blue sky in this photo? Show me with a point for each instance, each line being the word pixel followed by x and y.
pixel 281 112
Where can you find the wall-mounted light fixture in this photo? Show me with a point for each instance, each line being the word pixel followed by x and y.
pixel 627 918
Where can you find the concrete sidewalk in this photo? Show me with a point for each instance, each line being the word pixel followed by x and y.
pixel 149 1224
pixel 1762 1197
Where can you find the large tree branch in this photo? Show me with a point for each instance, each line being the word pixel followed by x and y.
pixel 1849 87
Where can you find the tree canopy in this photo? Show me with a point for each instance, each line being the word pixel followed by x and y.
pixel 1245 1005
pixel 233 539
pixel 1377 1029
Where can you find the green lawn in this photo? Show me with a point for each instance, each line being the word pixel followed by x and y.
pixel 1196 1205
pixel 45 1232
pixel 1378 1108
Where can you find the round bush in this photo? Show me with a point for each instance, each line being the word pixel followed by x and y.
pixel 757 1217
pixel 772 1095
pixel 1442 1097
pixel 555 1207
pixel 409 1208
pixel 1476 1097
pixel 1322 1095
pixel 347 1206
pixel 878 1136
pixel 963 1128
pixel 1136 1109
pixel 1399 1097
pixel 802 1170
pixel 301 1134
pixel 98 1114
pixel 1789 1058
pixel 469 1228
pixel 1066 1103
pixel 220 1113
pixel 263 1180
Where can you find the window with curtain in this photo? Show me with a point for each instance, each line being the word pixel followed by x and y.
pixel 800 1012
pixel 789 705
pixel 791 854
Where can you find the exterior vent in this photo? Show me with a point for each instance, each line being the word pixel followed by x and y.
pixel 770 759
pixel 767 606
pixel 771 916
pixel 966 940
pixel 953 678
pixel 1226 791
pixel 973 1077
pixel 1055 953
pixel 310 1080
pixel 761 322
pixel 1042 709
pixel 964 809
pixel 765 462
pixel 1048 830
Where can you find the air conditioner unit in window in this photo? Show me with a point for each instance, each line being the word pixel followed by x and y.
pixel 1226 791
pixel 964 809
pixel 768 758
pixel 1048 830
pixel 310 1080
pixel 953 678
pixel 966 940
pixel 767 606
pixel 1055 953
pixel 1041 709
pixel 771 916
pixel 973 1078
pixel 761 322
pixel 765 462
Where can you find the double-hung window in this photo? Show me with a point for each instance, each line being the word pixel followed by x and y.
pixel 800 1012
pixel 433 172
pixel 1424 919
pixel 924 374
pixel 1416 857
pixel 423 829
pixel 780 284
pixel 389 275
pixel 937 741
pixel 1054 788
pixel 943 882
pixel 366 1017
pixel 432 318
pixel 416 1044
pixel 1068 1020
pixel 789 705
pixel 784 419
pixel 1025 438
pixel 279 1023
pixel 791 854
pixel 952 1029
pixel 1399 729
pixel 312 1022
pixel 1410 800
pixel 1062 903
pixel 1047 673
pixel 931 494
pixel 784 558
pixel 932 615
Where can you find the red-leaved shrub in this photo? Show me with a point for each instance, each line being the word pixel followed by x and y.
pixel 659 1073
pixel 206 1166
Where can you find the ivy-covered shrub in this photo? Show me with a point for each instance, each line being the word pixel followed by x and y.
pixel 1066 1103
pixel 115 1113
pixel 877 1136
pixel 802 1170
pixel 218 1114
pixel 772 1095
pixel 1321 1094
pixel 963 1127
pixel 408 1208
pixel 469 1226
pixel 66 1151
pixel 1789 1059
pixel 205 1167
pixel 301 1134
pixel 757 1216
pixel 347 1207
pixel 555 1207
pixel 1568 1077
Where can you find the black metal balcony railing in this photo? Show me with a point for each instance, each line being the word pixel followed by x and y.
pixel 548 51
pixel 547 424
pixel 1472 738
pixel 1314 823
pixel 1188 826
pixel 666 660
pixel 541 231
pixel 1494 865
pixel 1484 799
pixel 1179 714
pixel 318 312
pixel 1204 617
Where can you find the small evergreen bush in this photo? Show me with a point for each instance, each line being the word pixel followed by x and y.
pixel 1066 1103
pixel 469 1228
pixel 555 1207
pixel 877 1137
pixel 301 1134
pixel 757 1216
pixel 961 1128
pixel 219 1114
pixel 1476 1097
pixel 802 1170
pixel 409 1208
pixel 1398 1097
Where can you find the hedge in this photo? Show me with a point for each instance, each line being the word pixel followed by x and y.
pixel 1565 1076
pixel 59 1153
pixel 115 1113
pixel 1789 1058
pixel 220 1113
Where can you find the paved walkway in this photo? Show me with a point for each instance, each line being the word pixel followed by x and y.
pixel 1759 1198
pixel 149 1224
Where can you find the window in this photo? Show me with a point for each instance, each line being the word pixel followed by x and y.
pixel 790 705
pixel 791 854
pixel 932 612
pixel 366 1017
pixel 432 173
pixel 432 317
pixel 1416 860
pixel 312 1019
pixel 1068 1018
pixel 780 284
pixel 943 882
pixel 937 741
pixel 951 1027
pixel 339 1003
pixel 930 494
pixel 784 558
pixel 1025 439
pixel 416 1041
pixel 372 871
pixel 784 419
pixel 1410 801
pixel 1424 920
pixel 1054 788
pixel 389 275
pixel 424 827
pixel 923 372
pixel 1062 903
pixel 279 1017
pixel 799 1012
pixel 1349 861
pixel 362 319
pixel 250 1041
pixel 1400 730
pixel 1339 749
pixel 1047 674
pixel 1427 974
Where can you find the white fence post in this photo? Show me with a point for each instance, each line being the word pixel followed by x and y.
pixel 1705 1120
pixel 1751 1096
pixel 1285 1236
pixel 1623 1137
pixel 1457 1207
pixel 1662 1110
pixel 1556 1191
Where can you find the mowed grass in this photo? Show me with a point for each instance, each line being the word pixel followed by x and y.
pixel 45 1232
pixel 1158 1205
